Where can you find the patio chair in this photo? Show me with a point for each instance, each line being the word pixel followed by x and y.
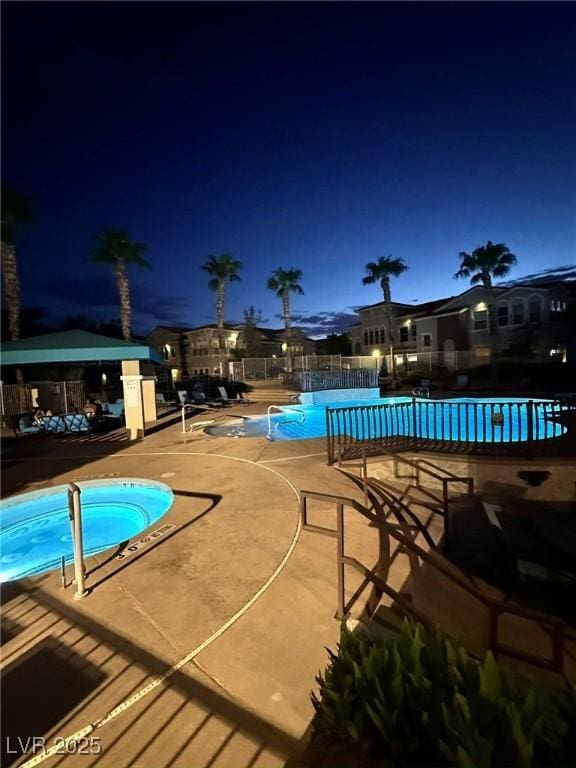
pixel 26 426
pixel 182 396
pixel 54 424
pixel 113 412
pixel 77 422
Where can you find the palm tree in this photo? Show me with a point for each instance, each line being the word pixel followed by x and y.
pixel 16 211
pixel 484 263
pixel 222 270
pixel 380 272
pixel 283 282
pixel 114 246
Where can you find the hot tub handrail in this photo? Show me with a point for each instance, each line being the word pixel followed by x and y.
pixel 75 514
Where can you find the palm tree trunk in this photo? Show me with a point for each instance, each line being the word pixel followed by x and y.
pixel 287 326
pixel 220 299
pixel 124 291
pixel 389 331
pixel 489 288
pixel 12 296
pixel 11 289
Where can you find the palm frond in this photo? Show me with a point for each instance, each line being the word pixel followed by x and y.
pixel 114 245
pixel 16 211
pixel 385 267
pixel 224 267
pixel 494 259
pixel 285 280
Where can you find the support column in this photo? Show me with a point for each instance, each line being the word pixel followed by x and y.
pixel 149 398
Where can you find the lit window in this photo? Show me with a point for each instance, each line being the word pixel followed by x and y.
pixel 503 314
pixel 534 309
pixel 427 340
pixel 480 320
pixel 556 305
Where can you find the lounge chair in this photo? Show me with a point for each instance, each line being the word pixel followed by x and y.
pixel 199 399
pixel 224 396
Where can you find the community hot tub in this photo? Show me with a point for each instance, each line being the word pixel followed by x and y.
pixel 35 527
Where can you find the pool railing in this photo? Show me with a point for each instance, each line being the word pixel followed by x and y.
pixel 458 426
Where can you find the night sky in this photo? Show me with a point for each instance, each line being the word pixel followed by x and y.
pixel 317 136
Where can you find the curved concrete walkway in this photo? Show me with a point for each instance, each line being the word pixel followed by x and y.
pixel 231 561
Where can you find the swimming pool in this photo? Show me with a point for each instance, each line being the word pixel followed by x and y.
pixel 457 419
pixel 35 527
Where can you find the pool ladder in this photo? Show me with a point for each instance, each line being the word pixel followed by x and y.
pixel 281 409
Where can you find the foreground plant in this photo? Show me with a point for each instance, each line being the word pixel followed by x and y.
pixel 419 699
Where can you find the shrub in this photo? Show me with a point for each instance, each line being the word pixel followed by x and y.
pixel 419 699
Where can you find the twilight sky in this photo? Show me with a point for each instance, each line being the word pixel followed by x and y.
pixel 310 135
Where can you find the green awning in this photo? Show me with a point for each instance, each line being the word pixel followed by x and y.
pixel 73 347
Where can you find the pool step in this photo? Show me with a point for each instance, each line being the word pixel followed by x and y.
pixel 269 392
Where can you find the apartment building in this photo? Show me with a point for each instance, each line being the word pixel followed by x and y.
pixel 192 351
pixel 532 320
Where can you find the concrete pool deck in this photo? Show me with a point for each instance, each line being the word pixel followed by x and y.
pixel 234 559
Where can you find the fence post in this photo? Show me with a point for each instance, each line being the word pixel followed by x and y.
pixel 414 421
pixel 329 439
pixel 340 555
pixel 530 427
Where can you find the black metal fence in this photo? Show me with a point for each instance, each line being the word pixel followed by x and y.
pixel 314 381
pixel 57 396
pixel 529 428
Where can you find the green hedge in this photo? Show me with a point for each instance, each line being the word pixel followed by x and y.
pixel 419 699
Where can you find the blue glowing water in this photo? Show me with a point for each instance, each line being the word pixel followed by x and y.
pixel 35 527
pixel 462 419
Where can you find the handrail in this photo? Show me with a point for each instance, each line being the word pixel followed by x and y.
pixel 75 515
pixel 282 409
pixel 418 465
pixel 495 607
pixel 421 392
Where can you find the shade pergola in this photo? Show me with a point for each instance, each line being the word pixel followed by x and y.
pixel 86 347
pixel 73 347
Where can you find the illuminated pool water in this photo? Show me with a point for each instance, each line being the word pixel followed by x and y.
pixel 456 419
pixel 35 527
